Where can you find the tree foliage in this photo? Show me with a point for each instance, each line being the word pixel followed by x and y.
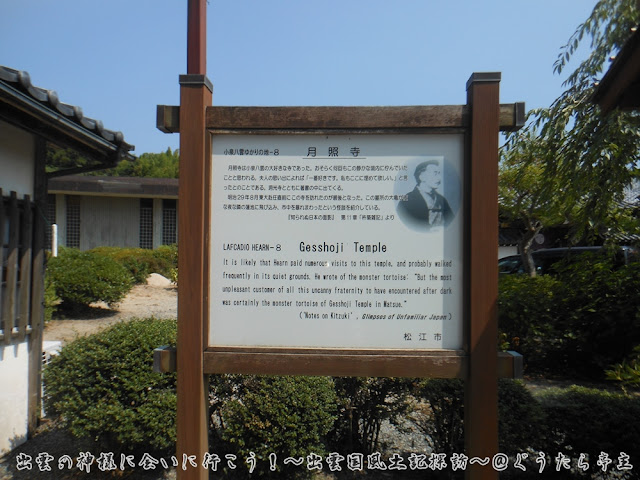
pixel 65 159
pixel 153 165
pixel 523 193
pixel 592 156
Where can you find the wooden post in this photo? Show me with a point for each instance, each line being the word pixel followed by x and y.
pixel 2 223
pixel 481 386
pixel 197 37
pixel 37 287
pixel 26 235
pixel 195 151
pixel 9 307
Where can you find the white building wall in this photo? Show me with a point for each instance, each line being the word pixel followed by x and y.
pixel 14 379
pixel 17 157
pixel 109 221
pixel 507 251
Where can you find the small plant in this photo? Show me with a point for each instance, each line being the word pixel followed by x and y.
pixel 170 253
pixel 173 275
pixel 627 373
pixel 82 278
pixel 103 387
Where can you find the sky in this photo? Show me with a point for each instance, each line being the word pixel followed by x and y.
pixel 118 59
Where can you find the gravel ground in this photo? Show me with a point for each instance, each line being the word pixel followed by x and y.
pixel 158 298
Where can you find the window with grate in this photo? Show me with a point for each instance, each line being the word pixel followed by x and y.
pixel 73 221
pixel 169 222
pixel 51 218
pixel 146 223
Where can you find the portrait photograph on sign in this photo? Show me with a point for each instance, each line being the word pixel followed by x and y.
pixel 425 208
pixel 337 241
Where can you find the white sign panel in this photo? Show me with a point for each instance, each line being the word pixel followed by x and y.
pixel 338 241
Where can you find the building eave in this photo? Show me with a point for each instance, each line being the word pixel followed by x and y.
pixel 40 112
pixel 115 186
pixel 620 86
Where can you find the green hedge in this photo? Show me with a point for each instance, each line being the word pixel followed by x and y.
pixel 282 415
pixel 103 387
pixel 51 300
pixel 528 317
pixel 576 323
pixel 363 404
pixel 142 262
pixel 585 420
pixel 81 278
pixel 600 307
pixel 571 421
pixel 441 417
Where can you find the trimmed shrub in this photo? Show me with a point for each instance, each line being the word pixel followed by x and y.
pixel 263 415
pixel 600 313
pixel 591 421
pixel 577 322
pixel 527 316
pixel 51 300
pixel 103 387
pixel 169 254
pixel 441 416
pixel 363 404
pixel 82 278
pixel 142 262
pixel 521 418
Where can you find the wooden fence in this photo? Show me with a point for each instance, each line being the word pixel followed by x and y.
pixel 16 248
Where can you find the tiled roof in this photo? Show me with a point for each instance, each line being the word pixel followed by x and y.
pixel 508 236
pixel 619 87
pixel 21 82
pixel 632 194
pixel 115 186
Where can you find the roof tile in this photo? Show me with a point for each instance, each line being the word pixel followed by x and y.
pixel 21 81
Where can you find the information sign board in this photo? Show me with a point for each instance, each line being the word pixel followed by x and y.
pixel 337 241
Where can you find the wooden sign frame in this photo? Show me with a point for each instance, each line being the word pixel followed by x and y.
pixel 478 363
pixel 340 120
pixel 357 121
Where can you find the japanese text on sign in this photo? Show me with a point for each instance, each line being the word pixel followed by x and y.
pixel 337 241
